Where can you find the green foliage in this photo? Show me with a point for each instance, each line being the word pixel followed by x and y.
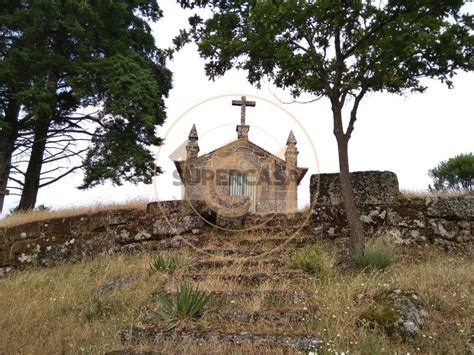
pixel 437 303
pixel 309 259
pixel 60 58
pixel 334 48
pixel 185 305
pixel 455 174
pixel 165 262
pixel 100 308
pixel 378 254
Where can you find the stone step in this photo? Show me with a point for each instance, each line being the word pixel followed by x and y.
pixel 271 298
pixel 252 278
pixel 234 252
pixel 245 316
pixel 157 336
pixel 210 264
pixel 293 241
pixel 282 316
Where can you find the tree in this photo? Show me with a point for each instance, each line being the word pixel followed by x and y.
pixel 338 49
pixel 455 174
pixel 59 59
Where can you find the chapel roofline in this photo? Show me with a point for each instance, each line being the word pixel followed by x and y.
pixel 301 172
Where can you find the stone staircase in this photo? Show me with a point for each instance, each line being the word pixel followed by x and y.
pixel 257 303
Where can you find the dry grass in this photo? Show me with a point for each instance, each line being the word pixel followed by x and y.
pixel 425 193
pixel 18 218
pixel 60 309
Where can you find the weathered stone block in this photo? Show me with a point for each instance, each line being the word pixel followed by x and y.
pixel 177 225
pixel 370 187
pixel 398 312
pixel 451 207
pixel 450 230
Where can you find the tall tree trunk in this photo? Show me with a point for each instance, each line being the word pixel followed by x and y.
pixel 7 146
pixel 33 171
pixel 356 227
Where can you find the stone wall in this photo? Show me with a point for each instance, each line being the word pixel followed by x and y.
pixel 53 241
pixel 370 187
pixel 164 225
pixel 446 221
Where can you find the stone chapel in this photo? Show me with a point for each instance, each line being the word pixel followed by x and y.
pixel 241 177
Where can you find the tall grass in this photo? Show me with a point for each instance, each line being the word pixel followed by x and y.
pixel 377 254
pixel 60 309
pixel 37 215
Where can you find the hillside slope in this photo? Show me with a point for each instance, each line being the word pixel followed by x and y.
pixel 258 303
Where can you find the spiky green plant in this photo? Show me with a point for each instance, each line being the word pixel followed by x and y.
pixel 377 254
pixel 187 304
pixel 165 262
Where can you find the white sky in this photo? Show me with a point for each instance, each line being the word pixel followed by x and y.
pixel 404 134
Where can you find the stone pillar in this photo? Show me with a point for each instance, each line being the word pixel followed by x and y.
pixel 291 159
pixel 192 148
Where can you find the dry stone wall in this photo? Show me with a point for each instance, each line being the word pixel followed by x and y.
pixel 446 221
pixel 164 225
pixel 57 240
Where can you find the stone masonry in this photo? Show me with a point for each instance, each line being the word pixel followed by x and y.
pixel 446 221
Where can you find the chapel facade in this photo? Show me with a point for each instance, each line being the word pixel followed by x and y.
pixel 241 177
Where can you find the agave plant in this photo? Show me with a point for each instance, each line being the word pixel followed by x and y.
pixel 186 304
pixel 164 262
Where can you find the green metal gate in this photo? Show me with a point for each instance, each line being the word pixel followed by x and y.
pixel 244 185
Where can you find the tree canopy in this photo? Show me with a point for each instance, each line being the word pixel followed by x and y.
pixel 455 174
pixel 60 59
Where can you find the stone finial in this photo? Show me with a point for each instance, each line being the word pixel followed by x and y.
pixel 291 152
pixel 291 139
pixel 193 135
pixel 192 148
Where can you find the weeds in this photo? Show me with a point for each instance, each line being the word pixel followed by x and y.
pixel 165 262
pixel 186 304
pixel 100 308
pixel 437 303
pixel 309 259
pixel 370 345
pixel 378 254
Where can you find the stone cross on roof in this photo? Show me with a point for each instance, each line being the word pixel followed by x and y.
pixel 242 129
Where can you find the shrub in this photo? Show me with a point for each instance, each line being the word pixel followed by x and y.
pixel 377 254
pixel 186 304
pixel 165 262
pixel 309 259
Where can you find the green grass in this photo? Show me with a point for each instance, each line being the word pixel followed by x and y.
pixel 378 254
pixel 99 308
pixel 309 259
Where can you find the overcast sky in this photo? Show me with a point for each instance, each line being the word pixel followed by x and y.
pixel 404 134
